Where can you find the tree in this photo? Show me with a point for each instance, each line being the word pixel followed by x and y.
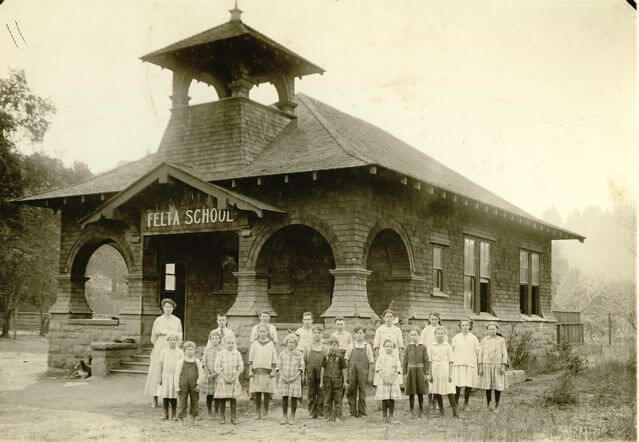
pixel 29 236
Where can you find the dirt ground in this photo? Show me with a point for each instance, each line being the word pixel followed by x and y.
pixel 38 405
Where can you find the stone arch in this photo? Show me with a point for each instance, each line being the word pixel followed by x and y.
pixel 90 240
pixel 395 226
pixel 297 263
pixel 387 258
pixel 296 218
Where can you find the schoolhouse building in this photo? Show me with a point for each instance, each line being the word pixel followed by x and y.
pixel 287 208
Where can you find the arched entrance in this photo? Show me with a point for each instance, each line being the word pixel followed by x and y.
pixel 388 261
pixel 97 244
pixel 106 287
pixel 297 260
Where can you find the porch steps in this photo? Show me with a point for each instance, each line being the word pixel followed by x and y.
pixel 136 364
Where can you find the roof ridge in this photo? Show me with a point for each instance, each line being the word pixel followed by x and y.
pixel 91 178
pixel 331 131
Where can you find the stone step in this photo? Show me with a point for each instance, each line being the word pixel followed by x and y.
pixel 129 370
pixel 141 357
pixel 135 363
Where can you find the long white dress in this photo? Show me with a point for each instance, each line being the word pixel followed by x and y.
pixel 427 338
pixel 440 356
pixel 162 327
pixel 465 355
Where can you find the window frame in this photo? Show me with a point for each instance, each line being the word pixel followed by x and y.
pixel 529 284
pixel 438 289
pixel 443 245
pixel 478 275
pixel 166 275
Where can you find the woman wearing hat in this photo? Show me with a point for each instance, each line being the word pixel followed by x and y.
pixel 162 327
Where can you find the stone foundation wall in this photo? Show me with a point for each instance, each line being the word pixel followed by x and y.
pixel 70 339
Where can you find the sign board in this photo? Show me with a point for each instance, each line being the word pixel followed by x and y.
pixel 192 219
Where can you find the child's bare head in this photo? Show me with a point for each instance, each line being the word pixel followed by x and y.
pixel 189 348
pixel 389 346
pixel 360 333
pixel 214 338
pixel 291 341
pixel 265 316
pixel 229 343
pixel 389 317
pixel 413 334
pixel 318 333
pixel 172 339
pixel 307 319
pixel 340 323
pixel 333 344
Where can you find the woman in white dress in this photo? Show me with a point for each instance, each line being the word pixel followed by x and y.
pixel 162 327
pixel 465 355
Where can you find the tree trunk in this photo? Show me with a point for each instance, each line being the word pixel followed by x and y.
pixel 15 323
pixel 41 309
pixel 6 322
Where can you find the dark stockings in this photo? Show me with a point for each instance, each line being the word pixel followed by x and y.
pixel 466 394
pixel 489 397
pixel 285 406
pixel 411 401
pixel 209 402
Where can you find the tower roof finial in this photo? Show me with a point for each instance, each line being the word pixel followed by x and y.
pixel 236 13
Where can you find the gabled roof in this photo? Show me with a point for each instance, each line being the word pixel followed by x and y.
pixel 321 138
pixel 160 174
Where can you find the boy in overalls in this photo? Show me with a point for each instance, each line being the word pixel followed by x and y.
pixel 313 355
pixel 360 359
pixel 188 375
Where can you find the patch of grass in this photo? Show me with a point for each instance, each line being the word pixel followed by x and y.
pixel 562 393
pixel 612 383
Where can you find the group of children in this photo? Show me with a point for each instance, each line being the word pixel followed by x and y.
pixel 428 365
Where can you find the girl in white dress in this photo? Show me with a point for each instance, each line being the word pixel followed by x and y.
pixel 162 327
pixel 493 358
pixel 262 368
pixel 440 355
pixel 465 352
pixel 388 330
pixel 427 338
pixel 388 375
pixel 168 362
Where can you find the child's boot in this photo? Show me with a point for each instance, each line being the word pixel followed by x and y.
pixel 453 404
pixel 440 403
pixel 222 412
pixel 233 412
pixel 165 403
pixel 174 409
pixel 391 412
pixel 258 406
pixel 266 403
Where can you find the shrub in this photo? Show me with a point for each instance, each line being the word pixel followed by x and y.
pixel 520 349
pixel 563 392
pixel 570 361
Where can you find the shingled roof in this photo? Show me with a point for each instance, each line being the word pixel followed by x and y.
pixel 321 138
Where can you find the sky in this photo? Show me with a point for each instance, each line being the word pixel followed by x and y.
pixel 533 99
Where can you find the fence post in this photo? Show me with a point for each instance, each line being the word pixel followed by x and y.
pixel 609 329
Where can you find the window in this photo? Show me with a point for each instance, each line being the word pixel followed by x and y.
pixel 529 299
pixel 484 277
pixel 169 277
pixel 469 273
pixel 477 298
pixel 438 273
pixel 523 282
pixel 534 282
